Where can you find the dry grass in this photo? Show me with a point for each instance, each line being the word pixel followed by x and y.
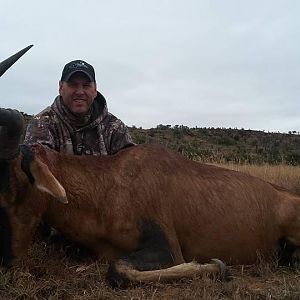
pixel 49 273
pixel 283 175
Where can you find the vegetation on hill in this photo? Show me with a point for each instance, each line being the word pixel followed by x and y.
pixel 221 145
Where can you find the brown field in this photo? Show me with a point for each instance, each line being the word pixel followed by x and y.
pixel 284 175
pixel 48 272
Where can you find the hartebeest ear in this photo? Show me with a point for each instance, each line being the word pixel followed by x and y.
pixel 45 181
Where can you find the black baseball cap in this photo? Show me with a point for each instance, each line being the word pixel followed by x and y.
pixel 78 66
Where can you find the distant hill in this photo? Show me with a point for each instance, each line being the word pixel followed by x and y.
pixel 222 145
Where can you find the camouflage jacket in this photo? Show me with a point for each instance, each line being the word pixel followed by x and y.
pixel 97 133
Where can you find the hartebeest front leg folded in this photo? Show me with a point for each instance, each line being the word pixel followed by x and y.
pixel 121 273
pixel 158 258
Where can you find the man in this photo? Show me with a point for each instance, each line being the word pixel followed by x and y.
pixel 78 121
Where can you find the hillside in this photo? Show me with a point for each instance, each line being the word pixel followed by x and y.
pixel 222 145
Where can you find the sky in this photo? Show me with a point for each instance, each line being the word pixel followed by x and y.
pixel 230 64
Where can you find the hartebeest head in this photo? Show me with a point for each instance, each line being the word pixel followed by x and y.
pixel 22 178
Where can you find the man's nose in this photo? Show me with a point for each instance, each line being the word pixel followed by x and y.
pixel 79 89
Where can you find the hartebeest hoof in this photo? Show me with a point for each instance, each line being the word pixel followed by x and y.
pixel 225 274
pixel 115 277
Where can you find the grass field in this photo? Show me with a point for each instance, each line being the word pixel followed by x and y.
pixel 283 175
pixel 48 272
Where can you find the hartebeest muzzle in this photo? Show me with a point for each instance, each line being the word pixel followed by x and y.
pixel 11 129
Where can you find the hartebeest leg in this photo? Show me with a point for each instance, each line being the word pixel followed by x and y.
pixel 155 260
pixel 125 273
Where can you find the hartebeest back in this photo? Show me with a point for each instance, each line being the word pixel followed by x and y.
pixel 149 211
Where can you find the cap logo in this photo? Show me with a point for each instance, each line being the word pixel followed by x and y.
pixel 79 64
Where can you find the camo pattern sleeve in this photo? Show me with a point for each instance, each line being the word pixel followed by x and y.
pixel 119 136
pixel 41 130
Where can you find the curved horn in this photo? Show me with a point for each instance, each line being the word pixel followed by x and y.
pixel 12 125
pixel 7 63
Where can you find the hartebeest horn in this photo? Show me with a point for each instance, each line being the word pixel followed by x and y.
pixel 11 129
pixel 7 63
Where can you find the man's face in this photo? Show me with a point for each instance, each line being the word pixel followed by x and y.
pixel 78 93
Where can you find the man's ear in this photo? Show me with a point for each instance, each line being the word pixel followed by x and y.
pixel 95 92
pixel 60 87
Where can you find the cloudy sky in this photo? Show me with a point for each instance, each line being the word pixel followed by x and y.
pixel 204 63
